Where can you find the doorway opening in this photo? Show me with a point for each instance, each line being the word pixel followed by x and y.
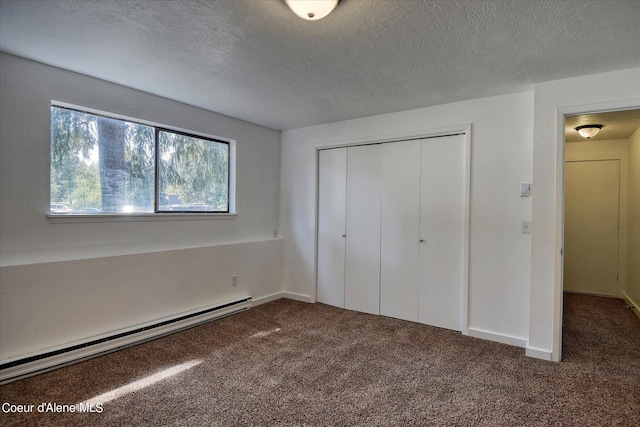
pixel 601 247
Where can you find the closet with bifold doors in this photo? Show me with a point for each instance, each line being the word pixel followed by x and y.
pixel 393 229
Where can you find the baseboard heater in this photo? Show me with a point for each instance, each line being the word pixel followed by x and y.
pixel 25 366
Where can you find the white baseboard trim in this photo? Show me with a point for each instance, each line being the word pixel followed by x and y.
pixel 35 363
pixel 632 303
pixel 297 297
pixel 280 295
pixel 537 353
pixel 267 298
pixel 492 336
pixel 593 294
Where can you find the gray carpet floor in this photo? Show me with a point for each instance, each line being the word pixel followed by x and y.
pixel 288 363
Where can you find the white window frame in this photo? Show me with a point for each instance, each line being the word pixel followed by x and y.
pixel 151 216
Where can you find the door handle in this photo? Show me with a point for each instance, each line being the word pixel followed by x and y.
pixel 344 235
pixel 421 240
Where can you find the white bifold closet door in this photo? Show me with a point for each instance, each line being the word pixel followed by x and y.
pixel 332 174
pixel 392 229
pixel 362 269
pixel 423 231
pixel 442 231
pixel 400 225
pixel 349 228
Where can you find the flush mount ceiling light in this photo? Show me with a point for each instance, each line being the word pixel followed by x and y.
pixel 312 10
pixel 588 131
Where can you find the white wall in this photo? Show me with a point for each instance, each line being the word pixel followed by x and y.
pixel 632 282
pixel 585 150
pixel 46 305
pixel 501 158
pixel 27 89
pixel 553 100
pixel 81 299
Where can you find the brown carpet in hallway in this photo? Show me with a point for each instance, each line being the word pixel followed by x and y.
pixel 288 363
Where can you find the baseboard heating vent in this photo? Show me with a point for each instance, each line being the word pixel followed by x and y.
pixel 22 367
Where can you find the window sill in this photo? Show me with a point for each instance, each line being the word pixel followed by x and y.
pixel 135 217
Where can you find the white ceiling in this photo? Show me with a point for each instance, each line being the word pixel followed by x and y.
pixel 255 60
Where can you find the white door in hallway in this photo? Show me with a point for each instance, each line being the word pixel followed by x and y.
pixel 592 193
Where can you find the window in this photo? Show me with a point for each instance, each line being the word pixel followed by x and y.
pixel 104 165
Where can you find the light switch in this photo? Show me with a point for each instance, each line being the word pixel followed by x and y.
pixel 525 189
pixel 526 227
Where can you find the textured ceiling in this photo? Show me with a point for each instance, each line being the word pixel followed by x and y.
pixel 255 60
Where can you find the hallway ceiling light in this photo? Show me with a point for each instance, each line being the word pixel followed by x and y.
pixel 588 131
pixel 312 10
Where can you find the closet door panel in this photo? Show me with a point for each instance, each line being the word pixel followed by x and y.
pixel 400 256
pixel 362 270
pixel 332 167
pixel 442 216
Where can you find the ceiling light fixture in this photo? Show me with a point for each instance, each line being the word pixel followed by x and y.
pixel 588 131
pixel 312 10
